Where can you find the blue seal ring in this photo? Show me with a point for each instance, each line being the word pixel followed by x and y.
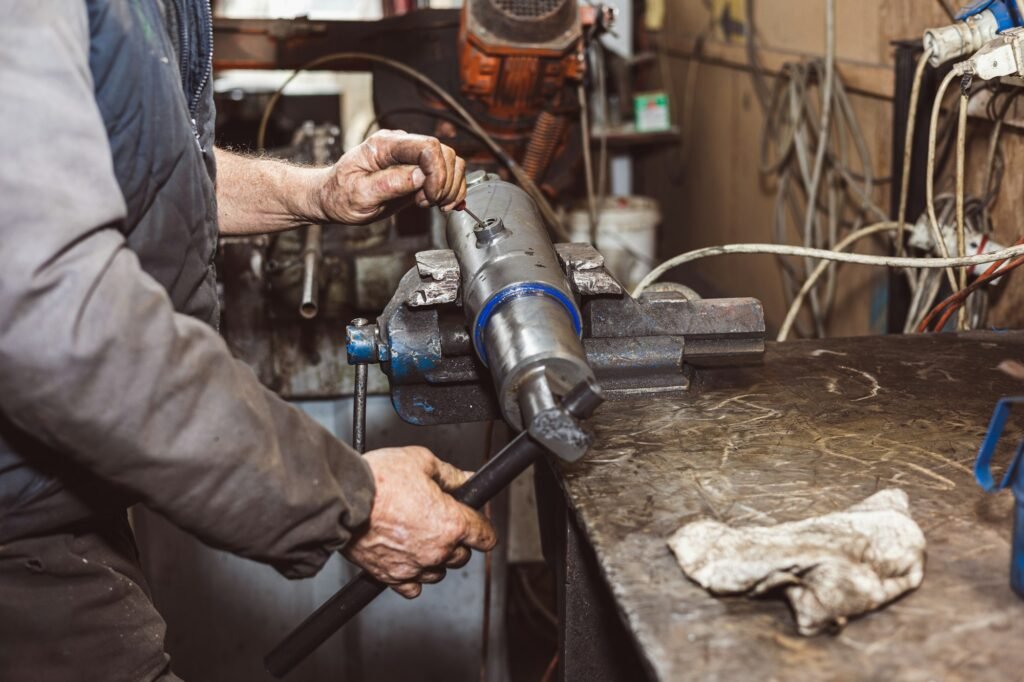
pixel 515 291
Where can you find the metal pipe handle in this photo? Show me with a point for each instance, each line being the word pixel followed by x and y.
pixel 359 398
pixel 493 477
pixel 312 252
pixel 499 472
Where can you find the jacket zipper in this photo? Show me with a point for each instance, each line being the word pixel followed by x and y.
pixel 208 68
pixel 183 41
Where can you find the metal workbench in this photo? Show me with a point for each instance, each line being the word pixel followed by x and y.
pixel 819 426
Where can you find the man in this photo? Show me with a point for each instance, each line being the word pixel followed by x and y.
pixel 115 387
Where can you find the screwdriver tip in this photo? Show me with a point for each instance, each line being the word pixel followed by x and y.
pixel 461 206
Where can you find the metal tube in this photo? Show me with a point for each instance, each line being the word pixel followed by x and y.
pixel 311 256
pixel 359 410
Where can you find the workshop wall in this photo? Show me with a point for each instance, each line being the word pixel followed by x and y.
pixel 722 195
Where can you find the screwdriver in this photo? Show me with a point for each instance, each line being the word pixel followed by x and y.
pixel 461 206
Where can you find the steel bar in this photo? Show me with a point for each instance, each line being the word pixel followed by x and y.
pixel 359 409
pixel 359 404
pixel 492 478
pixel 311 255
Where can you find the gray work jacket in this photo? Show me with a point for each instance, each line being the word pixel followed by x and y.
pixel 114 386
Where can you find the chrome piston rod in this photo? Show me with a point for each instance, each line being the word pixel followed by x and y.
pixel 524 321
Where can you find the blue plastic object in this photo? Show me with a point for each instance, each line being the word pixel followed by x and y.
pixel 1006 12
pixel 1013 479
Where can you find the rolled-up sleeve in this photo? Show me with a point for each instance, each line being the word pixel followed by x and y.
pixel 93 358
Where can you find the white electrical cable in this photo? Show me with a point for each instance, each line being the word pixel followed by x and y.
pixel 818 196
pixel 869 204
pixel 794 308
pixel 927 288
pixel 808 127
pixel 804 252
pixel 908 147
pixel 826 114
pixel 824 130
pixel 933 222
pixel 961 236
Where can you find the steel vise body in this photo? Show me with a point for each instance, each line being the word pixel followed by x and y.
pixel 539 319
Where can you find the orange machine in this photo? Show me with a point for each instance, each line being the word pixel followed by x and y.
pixel 521 60
pixel 518 67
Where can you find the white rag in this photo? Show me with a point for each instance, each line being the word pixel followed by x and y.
pixel 832 566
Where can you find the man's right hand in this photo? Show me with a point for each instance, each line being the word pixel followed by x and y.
pixel 416 528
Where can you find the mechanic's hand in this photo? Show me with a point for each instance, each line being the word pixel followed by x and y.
pixel 387 171
pixel 416 529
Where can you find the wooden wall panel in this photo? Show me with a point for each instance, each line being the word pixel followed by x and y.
pixel 724 198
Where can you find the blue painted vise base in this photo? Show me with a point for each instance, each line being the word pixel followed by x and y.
pixel 1013 479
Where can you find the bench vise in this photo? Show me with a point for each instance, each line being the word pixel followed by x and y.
pixel 503 323
pixel 557 334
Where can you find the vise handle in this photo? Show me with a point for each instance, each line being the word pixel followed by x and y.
pixel 493 477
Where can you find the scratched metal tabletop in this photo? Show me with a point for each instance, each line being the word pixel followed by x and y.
pixel 821 425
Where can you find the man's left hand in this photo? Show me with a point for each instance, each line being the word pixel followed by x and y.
pixel 387 171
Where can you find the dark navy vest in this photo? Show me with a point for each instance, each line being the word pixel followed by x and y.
pixel 151 65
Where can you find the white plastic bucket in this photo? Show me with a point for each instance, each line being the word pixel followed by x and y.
pixel 626 235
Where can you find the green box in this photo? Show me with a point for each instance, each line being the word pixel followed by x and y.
pixel 650 110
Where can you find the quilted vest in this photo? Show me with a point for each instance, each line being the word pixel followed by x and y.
pixel 151 65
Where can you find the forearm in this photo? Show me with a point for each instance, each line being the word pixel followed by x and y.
pixel 389 170
pixel 260 195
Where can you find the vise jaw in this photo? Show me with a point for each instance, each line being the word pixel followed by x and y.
pixel 635 347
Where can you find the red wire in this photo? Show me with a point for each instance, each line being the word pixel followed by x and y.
pixel 923 327
pixel 960 297
pixel 967 292
pixel 953 302
pixel 549 674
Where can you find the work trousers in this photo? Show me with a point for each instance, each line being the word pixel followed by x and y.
pixel 75 607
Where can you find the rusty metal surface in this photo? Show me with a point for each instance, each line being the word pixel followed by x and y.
pixel 439 278
pixel 293 43
pixel 821 425
pixel 585 268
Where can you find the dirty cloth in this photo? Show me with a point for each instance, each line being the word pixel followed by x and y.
pixel 830 567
